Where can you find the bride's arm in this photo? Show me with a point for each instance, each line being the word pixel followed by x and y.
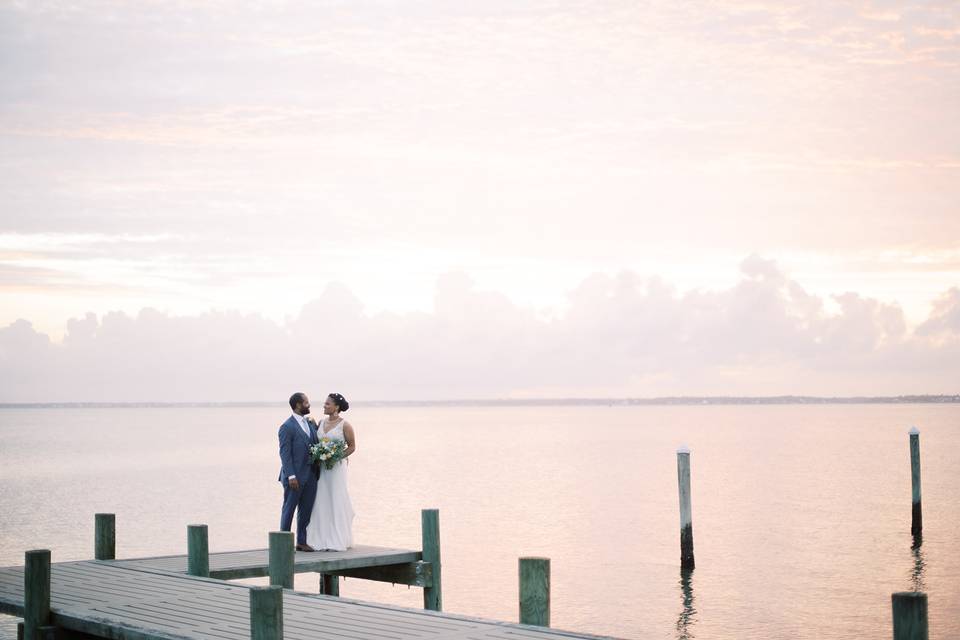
pixel 351 439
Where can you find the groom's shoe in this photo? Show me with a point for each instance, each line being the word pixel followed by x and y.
pixel 305 547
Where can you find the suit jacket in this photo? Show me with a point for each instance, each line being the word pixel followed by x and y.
pixel 295 451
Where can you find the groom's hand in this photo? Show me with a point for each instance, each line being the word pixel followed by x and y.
pixel 294 484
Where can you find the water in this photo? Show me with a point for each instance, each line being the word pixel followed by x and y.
pixel 801 513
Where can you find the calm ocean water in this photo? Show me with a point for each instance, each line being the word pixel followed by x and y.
pixel 801 513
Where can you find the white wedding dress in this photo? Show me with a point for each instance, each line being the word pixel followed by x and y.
pixel 331 521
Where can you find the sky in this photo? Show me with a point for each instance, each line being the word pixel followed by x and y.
pixel 433 199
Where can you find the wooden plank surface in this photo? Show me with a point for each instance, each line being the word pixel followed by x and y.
pixel 125 602
pixel 234 565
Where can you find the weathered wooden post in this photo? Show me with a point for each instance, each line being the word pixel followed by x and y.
pixel 916 526
pixel 198 550
pixel 686 512
pixel 281 558
pixel 36 593
pixel 105 536
pixel 329 584
pixel 46 633
pixel 430 535
pixel 910 616
pixel 266 613
pixel 535 591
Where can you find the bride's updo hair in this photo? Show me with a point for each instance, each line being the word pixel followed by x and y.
pixel 340 401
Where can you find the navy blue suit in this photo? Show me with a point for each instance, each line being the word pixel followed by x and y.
pixel 295 461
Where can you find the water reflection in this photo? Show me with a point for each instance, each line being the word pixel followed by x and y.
pixel 919 565
pixel 688 613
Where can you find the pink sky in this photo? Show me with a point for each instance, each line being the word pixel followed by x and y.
pixel 619 180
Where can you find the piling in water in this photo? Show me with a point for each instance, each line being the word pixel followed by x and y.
pixel 916 526
pixel 329 584
pixel 535 591
pixel 105 536
pixel 198 551
pixel 281 559
pixel 910 616
pixel 430 537
pixel 266 613
pixel 686 512
pixel 36 593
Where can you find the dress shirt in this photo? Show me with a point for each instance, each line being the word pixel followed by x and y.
pixel 302 421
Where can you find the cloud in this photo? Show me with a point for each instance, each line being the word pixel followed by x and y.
pixel 18 277
pixel 621 335
pixel 945 318
pixel 181 118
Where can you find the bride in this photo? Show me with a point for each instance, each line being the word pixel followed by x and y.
pixel 331 521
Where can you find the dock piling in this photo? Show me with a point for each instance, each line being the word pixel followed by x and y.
pixel 48 632
pixel 36 593
pixel 281 558
pixel 266 613
pixel 105 536
pixel 535 591
pixel 198 550
pixel 430 534
pixel 686 511
pixel 910 616
pixel 329 584
pixel 916 525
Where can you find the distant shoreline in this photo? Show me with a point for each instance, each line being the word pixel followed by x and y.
pixel 533 402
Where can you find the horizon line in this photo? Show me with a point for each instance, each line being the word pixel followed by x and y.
pixel 599 401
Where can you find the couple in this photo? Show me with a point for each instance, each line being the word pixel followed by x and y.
pixel 320 498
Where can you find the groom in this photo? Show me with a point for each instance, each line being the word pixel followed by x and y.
pixel 297 473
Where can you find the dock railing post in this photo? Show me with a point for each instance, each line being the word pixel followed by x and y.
pixel 686 511
pixel 916 525
pixel 535 591
pixel 36 593
pixel 105 536
pixel 430 535
pixel 281 558
pixel 910 616
pixel 266 613
pixel 198 550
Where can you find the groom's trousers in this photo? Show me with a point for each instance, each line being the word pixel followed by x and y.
pixel 300 501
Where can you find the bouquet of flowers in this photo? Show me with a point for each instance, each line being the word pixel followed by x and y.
pixel 328 452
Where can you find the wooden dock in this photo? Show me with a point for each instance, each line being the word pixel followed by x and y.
pixel 188 597
pixel 124 601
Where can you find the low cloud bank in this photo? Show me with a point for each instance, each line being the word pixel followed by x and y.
pixel 619 336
